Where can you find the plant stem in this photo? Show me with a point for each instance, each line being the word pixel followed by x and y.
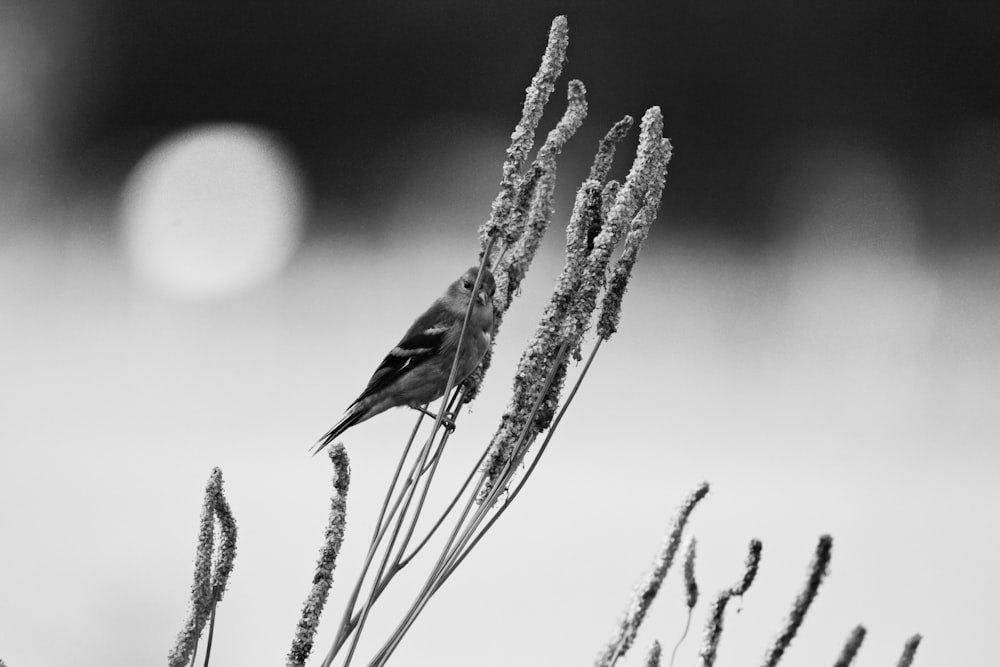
pixel 410 489
pixel 211 632
pixel 450 558
pixel 351 619
pixel 348 621
pixel 423 494
pixel 687 626
pixel 534 462
pixel 447 511
pixel 406 495
pixel 452 566
pixel 395 476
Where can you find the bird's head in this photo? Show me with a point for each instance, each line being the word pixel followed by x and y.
pixel 463 286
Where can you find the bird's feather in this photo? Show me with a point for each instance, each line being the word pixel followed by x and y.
pixel 422 342
pixel 352 417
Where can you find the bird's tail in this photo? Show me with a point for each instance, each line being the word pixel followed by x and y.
pixel 355 414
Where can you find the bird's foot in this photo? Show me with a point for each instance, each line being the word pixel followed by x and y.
pixel 447 421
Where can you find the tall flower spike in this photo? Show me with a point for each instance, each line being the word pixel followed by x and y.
pixel 573 301
pixel 645 168
pixel 818 570
pixel 305 631
pixel 909 651
pixel 606 149
pixel 523 137
pixel 538 358
pixel 851 647
pixel 713 631
pixel 644 183
pixel 645 593
pixel 611 305
pixel 653 659
pixel 508 274
pixel 690 584
pixel 207 587
pixel 691 593
pixel 540 213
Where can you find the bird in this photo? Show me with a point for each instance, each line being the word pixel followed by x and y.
pixel 415 371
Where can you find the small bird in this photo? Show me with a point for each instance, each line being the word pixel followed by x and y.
pixel 416 371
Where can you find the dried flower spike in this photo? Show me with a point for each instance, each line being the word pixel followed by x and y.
pixel 305 631
pixel 909 651
pixel 690 584
pixel 539 215
pixel 208 587
pixel 541 355
pixel 653 659
pixel 635 205
pixel 523 137
pixel 713 631
pixel 851 647
pixel 612 304
pixel 646 591
pixel 606 149
pixel 573 301
pixel 526 224
pixel 817 572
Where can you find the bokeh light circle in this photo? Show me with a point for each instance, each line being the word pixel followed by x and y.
pixel 212 210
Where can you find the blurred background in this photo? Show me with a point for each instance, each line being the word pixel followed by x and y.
pixel 216 217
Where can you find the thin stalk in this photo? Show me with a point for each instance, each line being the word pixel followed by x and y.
pixel 500 255
pixel 194 653
pixel 516 455
pixel 452 566
pixel 518 452
pixel 423 494
pixel 446 512
pixel 451 415
pixel 424 452
pixel 382 654
pixel 454 367
pixel 447 562
pixel 395 476
pixel 382 583
pixel 687 626
pixel 408 498
pixel 348 620
pixel 211 634
pixel 534 462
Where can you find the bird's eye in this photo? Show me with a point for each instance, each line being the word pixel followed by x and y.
pixel 466 284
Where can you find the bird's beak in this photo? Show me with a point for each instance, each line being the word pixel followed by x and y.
pixel 481 298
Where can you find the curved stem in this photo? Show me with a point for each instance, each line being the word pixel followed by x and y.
pixel 407 497
pixel 395 476
pixel 351 618
pixel 541 450
pixel 346 624
pixel 447 511
pixel 424 453
pixel 211 633
pixel 427 484
pixel 450 558
pixel 687 626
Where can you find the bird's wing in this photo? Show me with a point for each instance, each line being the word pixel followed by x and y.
pixel 422 342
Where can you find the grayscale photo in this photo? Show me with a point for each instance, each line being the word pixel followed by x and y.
pixel 494 334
